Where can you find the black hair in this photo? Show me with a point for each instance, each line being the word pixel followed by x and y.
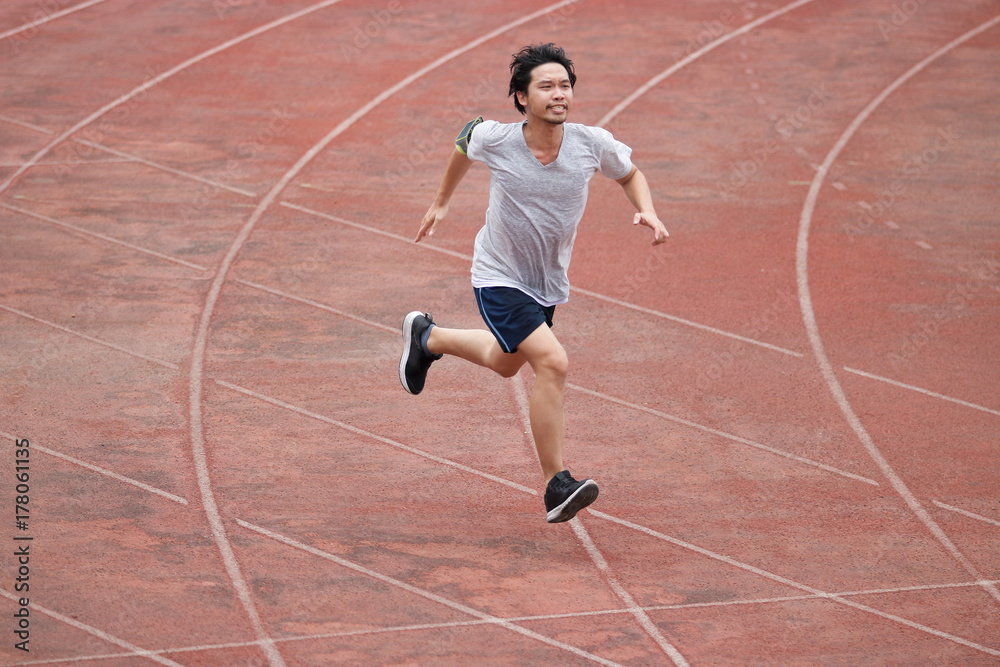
pixel 530 57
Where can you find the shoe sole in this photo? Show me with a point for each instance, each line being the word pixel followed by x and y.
pixel 585 495
pixel 407 343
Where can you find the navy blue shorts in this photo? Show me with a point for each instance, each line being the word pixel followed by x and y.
pixel 511 314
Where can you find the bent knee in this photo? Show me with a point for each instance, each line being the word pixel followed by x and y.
pixel 555 363
pixel 508 371
pixel 506 365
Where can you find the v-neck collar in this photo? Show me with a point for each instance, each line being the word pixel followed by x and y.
pixel 531 154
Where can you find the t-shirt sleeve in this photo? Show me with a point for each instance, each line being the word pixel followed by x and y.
pixel 482 140
pixel 616 157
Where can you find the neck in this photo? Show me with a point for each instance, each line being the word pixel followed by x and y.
pixel 543 135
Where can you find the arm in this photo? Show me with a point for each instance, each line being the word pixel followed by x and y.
pixel 637 190
pixel 458 166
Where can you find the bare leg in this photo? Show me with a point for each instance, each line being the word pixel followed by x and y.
pixel 548 360
pixel 548 424
pixel 475 345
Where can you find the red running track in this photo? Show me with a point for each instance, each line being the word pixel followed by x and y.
pixel 206 211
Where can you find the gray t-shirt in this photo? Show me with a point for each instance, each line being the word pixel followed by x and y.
pixel 534 209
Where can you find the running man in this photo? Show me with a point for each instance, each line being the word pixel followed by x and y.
pixel 539 174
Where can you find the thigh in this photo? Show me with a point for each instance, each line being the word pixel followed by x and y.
pixel 542 348
pixel 511 315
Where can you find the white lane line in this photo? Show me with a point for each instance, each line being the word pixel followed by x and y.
pixel 630 604
pixel 106 239
pixel 100 470
pixel 318 305
pixel 575 290
pixel 722 434
pixel 315 304
pixel 162 167
pixel 27 126
pixel 138 90
pixel 395 237
pixel 374 230
pixel 65 163
pixel 812 328
pixel 199 349
pixel 368 434
pixel 91 630
pixel 634 526
pixel 48 17
pixel 457 606
pixel 98 341
pixel 967 513
pixel 196 427
pixel 197 267
pixel 834 597
pixel 111 474
pixel 393 330
pixel 392 629
pixel 689 323
pixel 656 80
pixel 927 392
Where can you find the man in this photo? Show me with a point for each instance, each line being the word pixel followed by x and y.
pixel 540 169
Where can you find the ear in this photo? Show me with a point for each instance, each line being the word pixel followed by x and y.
pixel 522 98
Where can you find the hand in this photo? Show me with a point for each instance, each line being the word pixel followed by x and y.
pixel 650 220
pixel 434 215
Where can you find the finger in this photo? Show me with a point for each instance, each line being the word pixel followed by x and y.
pixel 421 232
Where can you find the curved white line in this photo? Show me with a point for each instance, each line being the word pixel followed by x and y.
pixel 200 460
pixel 197 439
pixel 33 160
pixel 812 329
pixel 835 597
pixel 200 346
pixel 212 514
pixel 691 57
pixel 49 17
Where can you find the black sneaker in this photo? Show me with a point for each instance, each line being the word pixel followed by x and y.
pixel 564 496
pixel 414 363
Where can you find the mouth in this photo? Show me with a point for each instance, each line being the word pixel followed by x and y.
pixel 558 108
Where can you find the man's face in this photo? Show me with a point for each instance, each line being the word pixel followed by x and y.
pixel 550 94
